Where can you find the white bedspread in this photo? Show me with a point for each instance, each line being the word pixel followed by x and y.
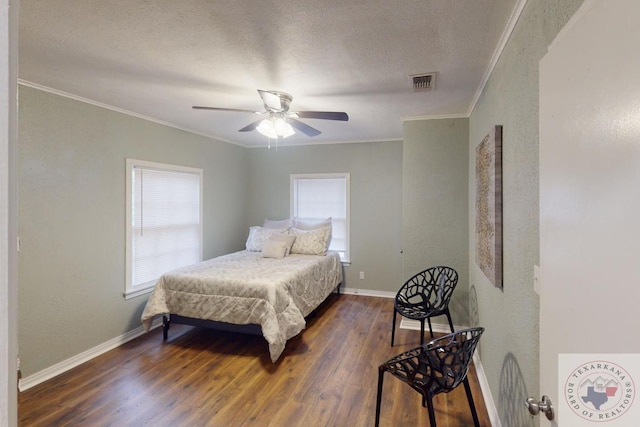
pixel 244 288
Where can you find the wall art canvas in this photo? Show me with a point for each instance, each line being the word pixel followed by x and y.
pixel 489 206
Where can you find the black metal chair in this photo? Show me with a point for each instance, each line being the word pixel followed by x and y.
pixel 437 367
pixel 425 295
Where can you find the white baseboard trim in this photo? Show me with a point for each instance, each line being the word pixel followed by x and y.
pixel 59 368
pixel 368 292
pixel 441 328
pixel 494 418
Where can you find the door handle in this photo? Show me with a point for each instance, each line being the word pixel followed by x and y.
pixel 545 406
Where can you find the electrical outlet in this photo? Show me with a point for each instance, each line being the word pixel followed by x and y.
pixel 362 275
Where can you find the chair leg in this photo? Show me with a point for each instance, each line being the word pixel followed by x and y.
pixel 393 328
pixel 430 328
pixel 449 319
pixel 474 414
pixel 432 414
pixel 421 331
pixel 379 398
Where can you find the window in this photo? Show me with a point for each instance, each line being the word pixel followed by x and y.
pixel 319 196
pixel 164 222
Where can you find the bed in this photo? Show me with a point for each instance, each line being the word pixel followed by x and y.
pixel 247 288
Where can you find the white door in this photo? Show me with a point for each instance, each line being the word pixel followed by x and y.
pixel 589 278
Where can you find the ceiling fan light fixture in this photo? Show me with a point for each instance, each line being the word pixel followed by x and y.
pixel 275 128
pixel 280 122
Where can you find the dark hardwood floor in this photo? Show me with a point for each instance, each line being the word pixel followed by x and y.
pixel 327 376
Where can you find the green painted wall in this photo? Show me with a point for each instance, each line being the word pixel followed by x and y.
pixel 434 207
pixel 71 187
pixel 376 200
pixel 510 98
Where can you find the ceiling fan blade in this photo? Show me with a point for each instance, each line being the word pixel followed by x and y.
pixel 270 99
pixel 199 107
pixel 325 115
pixel 304 128
pixel 275 101
pixel 250 126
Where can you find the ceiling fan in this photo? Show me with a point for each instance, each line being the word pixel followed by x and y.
pixel 280 121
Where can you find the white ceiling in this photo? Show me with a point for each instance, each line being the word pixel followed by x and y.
pixel 158 58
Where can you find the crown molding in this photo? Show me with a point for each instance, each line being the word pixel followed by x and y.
pixel 506 35
pixel 117 109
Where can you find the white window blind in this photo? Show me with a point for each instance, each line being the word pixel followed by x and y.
pixel 164 222
pixel 319 196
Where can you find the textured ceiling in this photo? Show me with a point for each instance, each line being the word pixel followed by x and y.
pixel 158 58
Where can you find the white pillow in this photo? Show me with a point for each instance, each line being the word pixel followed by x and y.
pixel 257 236
pixel 287 238
pixel 279 225
pixel 311 223
pixel 311 242
pixel 274 249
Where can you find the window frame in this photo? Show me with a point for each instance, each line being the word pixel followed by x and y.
pixel 346 260
pixel 131 290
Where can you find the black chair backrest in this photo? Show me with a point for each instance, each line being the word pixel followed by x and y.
pixel 432 287
pixel 448 357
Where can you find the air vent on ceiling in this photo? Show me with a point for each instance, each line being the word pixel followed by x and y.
pixel 423 82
